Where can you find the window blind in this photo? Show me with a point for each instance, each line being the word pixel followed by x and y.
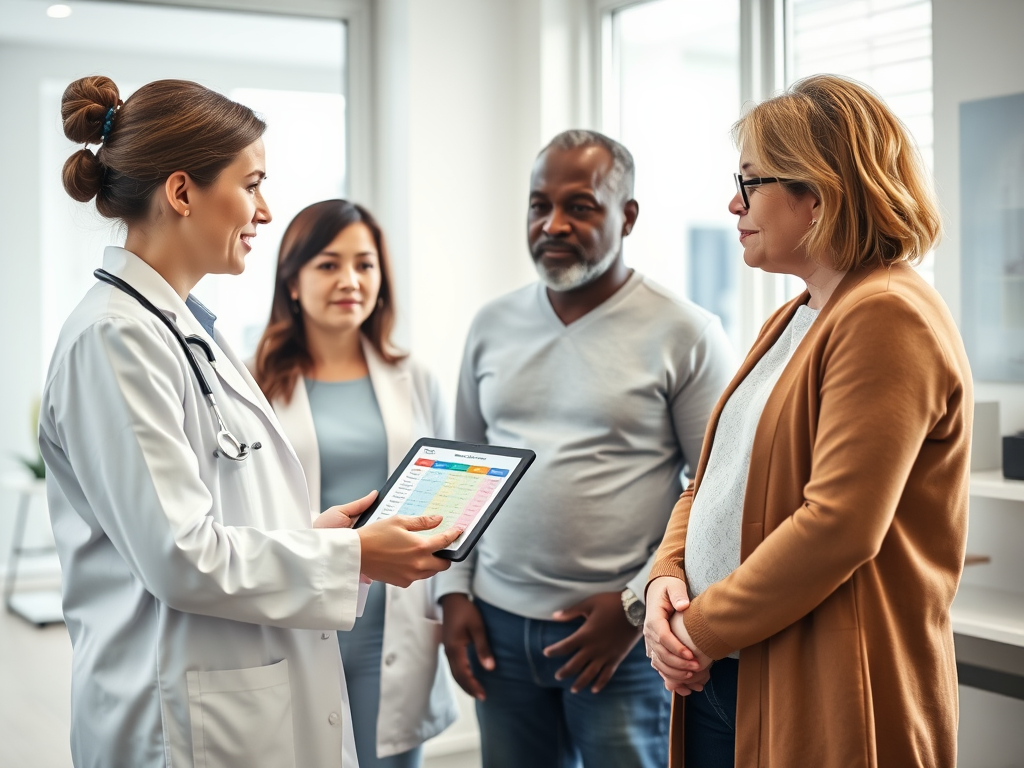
pixel 885 44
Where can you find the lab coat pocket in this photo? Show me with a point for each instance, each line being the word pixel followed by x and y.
pixel 242 717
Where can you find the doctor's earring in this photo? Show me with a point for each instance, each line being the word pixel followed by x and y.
pixel 185 212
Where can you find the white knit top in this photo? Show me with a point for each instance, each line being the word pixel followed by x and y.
pixel 713 534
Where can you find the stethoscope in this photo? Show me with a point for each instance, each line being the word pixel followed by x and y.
pixel 229 446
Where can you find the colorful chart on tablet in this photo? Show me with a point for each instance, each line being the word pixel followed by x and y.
pixel 458 486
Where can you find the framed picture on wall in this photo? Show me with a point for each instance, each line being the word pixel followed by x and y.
pixel 992 240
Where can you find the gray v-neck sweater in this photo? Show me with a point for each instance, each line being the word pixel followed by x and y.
pixel 614 404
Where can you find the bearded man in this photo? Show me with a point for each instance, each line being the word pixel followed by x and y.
pixel 610 379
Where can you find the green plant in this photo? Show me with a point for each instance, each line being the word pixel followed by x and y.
pixel 36 466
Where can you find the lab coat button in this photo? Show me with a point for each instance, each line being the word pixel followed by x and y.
pixel 389 659
pixel 333 718
pixel 325 636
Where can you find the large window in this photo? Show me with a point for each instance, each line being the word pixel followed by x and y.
pixel 674 76
pixel 885 44
pixel 674 95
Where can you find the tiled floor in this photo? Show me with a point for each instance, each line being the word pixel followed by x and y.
pixel 35 684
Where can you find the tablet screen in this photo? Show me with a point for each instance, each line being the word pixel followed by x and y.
pixel 457 484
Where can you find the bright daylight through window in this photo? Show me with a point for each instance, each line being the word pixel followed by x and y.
pixel 885 44
pixel 676 95
pixel 675 92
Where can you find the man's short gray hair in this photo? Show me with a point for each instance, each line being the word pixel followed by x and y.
pixel 623 170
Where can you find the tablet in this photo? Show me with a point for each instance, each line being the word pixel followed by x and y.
pixel 465 483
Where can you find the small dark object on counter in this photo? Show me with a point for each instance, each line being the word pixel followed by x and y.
pixel 1013 456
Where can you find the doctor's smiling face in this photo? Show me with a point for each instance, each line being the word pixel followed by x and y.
pixel 338 288
pixel 221 218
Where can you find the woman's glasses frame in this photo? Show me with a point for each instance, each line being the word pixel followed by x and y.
pixel 753 181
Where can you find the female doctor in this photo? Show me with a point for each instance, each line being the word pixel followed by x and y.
pixel 200 602
pixel 352 406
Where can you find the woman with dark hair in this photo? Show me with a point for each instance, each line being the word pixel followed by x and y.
pixel 201 603
pixel 816 554
pixel 352 406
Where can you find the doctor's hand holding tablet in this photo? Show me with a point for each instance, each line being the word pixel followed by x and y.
pixel 459 485
pixel 201 602
pixel 433 487
pixel 389 553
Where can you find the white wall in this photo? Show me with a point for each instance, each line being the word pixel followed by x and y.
pixel 977 54
pixel 458 125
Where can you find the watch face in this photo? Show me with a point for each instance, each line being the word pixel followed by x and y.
pixel 636 613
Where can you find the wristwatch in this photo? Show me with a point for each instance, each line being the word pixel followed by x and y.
pixel 634 607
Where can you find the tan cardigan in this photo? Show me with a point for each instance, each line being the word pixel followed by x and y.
pixel 854 528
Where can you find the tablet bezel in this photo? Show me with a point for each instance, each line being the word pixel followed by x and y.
pixel 525 456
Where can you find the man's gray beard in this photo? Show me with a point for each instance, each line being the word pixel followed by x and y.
pixel 579 274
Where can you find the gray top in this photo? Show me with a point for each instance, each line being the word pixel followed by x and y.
pixel 716 517
pixel 614 404
pixel 350 436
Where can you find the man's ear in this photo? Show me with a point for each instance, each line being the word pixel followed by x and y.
pixel 630 211
pixel 176 191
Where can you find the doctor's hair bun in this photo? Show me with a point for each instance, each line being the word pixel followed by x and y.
pixel 165 127
pixel 84 109
pixel 83 175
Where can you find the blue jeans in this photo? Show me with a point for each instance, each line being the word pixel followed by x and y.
pixel 711 719
pixel 531 719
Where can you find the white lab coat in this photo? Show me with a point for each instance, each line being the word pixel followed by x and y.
pixel 416 694
pixel 201 605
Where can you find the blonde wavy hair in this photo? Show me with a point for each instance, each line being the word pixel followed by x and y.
pixel 834 138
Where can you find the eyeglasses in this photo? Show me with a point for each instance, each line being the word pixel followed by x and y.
pixel 755 181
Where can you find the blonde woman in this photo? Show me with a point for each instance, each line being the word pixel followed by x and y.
pixel 817 552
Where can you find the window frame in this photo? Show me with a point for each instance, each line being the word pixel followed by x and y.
pixel 762 72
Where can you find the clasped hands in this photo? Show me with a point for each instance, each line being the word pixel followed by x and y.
pixel 683 666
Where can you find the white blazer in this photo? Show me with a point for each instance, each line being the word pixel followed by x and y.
pixel 416 696
pixel 201 605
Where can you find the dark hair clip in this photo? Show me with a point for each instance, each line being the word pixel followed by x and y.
pixel 108 123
